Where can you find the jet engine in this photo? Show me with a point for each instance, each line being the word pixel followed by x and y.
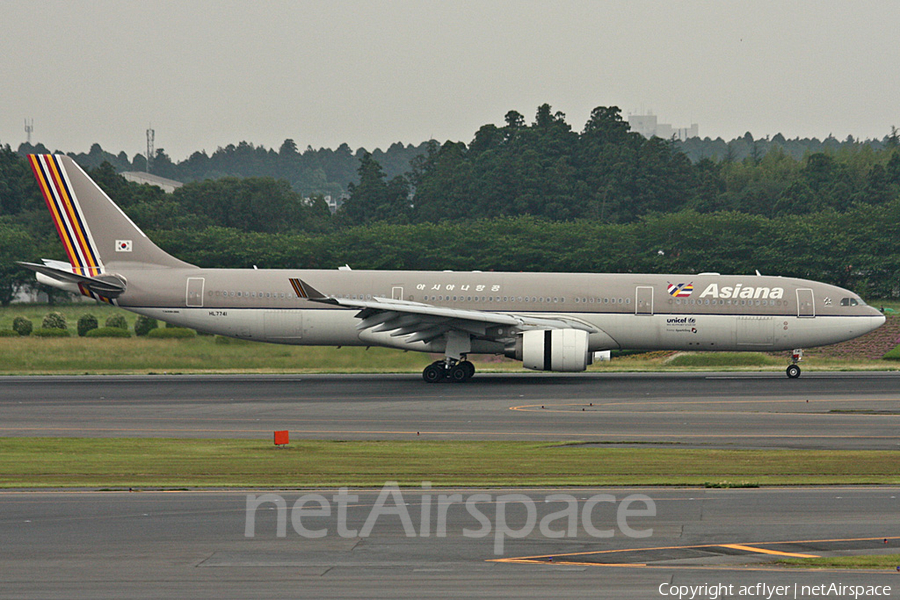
pixel 554 350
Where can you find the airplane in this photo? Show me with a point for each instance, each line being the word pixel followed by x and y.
pixel 549 321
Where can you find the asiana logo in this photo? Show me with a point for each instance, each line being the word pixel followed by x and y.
pixel 739 291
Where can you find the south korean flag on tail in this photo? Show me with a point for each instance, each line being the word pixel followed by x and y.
pixel 123 245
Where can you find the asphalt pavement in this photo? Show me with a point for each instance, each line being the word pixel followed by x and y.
pixel 421 542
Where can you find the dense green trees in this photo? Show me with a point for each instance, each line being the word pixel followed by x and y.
pixel 309 172
pixel 261 204
pixel 858 249
pixel 521 196
pixel 610 174
pixel 374 198
pixel 15 245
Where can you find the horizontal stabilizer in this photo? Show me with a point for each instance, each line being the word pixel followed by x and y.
pixel 110 286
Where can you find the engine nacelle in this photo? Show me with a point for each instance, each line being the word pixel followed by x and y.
pixel 554 350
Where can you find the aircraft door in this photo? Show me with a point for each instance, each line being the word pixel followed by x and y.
pixel 396 293
pixel 283 325
pixel 754 332
pixel 806 303
pixel 194 293
pixel 643 300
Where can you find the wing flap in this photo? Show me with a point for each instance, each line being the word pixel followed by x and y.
pixel 374 308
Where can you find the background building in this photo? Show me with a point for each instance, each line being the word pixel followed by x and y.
pixel 167 185
pixel 648 126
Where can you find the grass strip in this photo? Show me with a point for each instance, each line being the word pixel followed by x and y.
pixel 708 360
pixel 166 463
pixel 75 356
pixel 876 561
pixel 207 354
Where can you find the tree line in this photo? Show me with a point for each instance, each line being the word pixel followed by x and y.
pixel 610 174
pixel 746 146
pixel 859 249
pixel 519 197
pixel 309 172
pixel 325 171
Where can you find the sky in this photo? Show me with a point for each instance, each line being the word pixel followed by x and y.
pixel 207 74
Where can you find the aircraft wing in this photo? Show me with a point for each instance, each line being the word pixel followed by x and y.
pixel 425 322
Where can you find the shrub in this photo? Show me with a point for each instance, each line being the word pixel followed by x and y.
pixel 8 333
pixel 50 332
pixel 117 321
pixel 144 324
pixel 22 326
pixel 86 323
pixel 108 332
pixel 54 320
pixel 172 333
pixel 893 354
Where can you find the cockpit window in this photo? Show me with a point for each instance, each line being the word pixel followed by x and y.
pixel 849 302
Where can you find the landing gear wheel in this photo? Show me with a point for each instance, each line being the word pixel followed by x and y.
pixel 793 371
pixel 434 372
pixel 469 367
pixel 458 373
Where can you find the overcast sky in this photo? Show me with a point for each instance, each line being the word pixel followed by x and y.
pixel 207 74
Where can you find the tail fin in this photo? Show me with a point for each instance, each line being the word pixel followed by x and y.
pixel 95 232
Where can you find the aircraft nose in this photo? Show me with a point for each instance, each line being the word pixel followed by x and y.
pixel 876 318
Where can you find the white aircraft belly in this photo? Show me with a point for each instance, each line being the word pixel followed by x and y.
pixel 729 332
pixel 675 332
pixel 321 327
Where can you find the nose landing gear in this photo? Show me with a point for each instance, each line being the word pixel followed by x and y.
pixel 793 370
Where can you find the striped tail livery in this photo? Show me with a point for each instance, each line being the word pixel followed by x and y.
pixel 96 234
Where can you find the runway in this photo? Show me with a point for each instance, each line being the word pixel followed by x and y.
pixel 96 545
pixel 91 544
pixel 754 410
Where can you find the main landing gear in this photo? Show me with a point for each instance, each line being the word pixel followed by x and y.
pixel 456 371
pixel 793 370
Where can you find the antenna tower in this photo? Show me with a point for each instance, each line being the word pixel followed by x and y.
pixel 150 135
pixel 29 127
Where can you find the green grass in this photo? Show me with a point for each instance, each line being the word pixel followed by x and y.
pixel 876 561
pixel 108 332
pixel 195 355
pixel 724 359
pixel 168 463
pixel 892 304
pixel 730 484
pixel 208 354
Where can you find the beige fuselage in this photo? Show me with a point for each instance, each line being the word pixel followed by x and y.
pixel 729 312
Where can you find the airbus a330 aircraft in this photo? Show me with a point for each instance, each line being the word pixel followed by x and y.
pixel 549 321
